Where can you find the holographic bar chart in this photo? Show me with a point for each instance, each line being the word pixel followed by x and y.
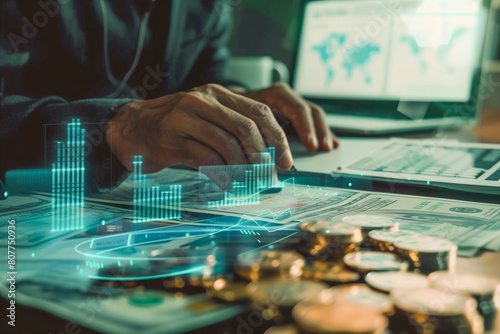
pixel 153 203
pixel 68 179
pixel 245 181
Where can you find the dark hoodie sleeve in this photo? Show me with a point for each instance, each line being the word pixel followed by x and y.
pixel 29 127
pixel 211 65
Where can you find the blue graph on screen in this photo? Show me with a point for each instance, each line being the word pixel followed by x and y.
pixel 354 58
pixel 245 181
pixel 442 54
pixel 68 179
pixel 152 203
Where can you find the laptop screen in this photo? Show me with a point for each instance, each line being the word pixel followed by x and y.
pixel 415 50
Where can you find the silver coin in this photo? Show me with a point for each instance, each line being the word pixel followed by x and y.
pixel 269 264
pixel 374 261
pixel 471 284
pixel 359 294
pixel 345 317
pixel 336 230
pixel 432 301
pixel 284 293
pixel 370 221
pixel 388 281
pixel 391 236
pixel 425 244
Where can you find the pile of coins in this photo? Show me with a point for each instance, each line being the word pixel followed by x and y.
pixel 368 223
pixel 228 290
pixel 259 265
pixel 388 281
pixel 350 310
pixel 331 283
pixel 332 273
pixel 275 299
pixel 428 310
pixel 482 289
pixel 427 254
pixel 361 295
pixel 367 261
pixel 275 283
pixel 383 240
pixel 328 241
pixel 397 296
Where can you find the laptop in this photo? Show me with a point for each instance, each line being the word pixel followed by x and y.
pixel 470 167
pixel 386 66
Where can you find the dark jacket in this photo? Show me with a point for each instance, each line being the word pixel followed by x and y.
pixel 53 68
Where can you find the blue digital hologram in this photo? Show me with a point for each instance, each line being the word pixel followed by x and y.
pixel 245 182
pixel 68 179
pixel 23 181
pixel 154 202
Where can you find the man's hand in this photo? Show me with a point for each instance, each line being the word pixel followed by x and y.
pixel 307 118
pixel 208 125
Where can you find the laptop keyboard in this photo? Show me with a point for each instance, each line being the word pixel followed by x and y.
pixel 452 162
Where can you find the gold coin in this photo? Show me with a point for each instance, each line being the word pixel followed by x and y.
pixel 286 329
pixel 333 231
pixel 284 293
pixel 336 317
pixel 388 281
pixel 383 240
pixel 330 272
pixel 365 262
pixel 432 301
pixel 228 291
pixel 268 264
pixel 471 284
pixel 359 294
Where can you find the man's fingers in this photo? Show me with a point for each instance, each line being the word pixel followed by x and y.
pixel 298 111
pixel 303 122
pixel 243 129
pixel 225 144
pixel 327 140
pixel 196 154
pixel 261 115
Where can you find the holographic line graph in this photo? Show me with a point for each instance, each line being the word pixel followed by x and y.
pixel 152 203
pixel 112 243
pixel 307 191
pixel 68 181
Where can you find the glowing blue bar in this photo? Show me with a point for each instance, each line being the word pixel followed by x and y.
pixel 179 202
pixel 60 191
pixel 157 203
pixel 71 175
pixel 171 208
pixel 135 187
pixel 53 196
pixel 143 199
pixel 162 203
pixel 148 204
pixel 82 174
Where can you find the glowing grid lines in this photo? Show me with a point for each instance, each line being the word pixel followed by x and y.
pixel 154 202
pixel 68 178
pixel 257 177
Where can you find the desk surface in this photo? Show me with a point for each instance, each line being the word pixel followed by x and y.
pixel 351 148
